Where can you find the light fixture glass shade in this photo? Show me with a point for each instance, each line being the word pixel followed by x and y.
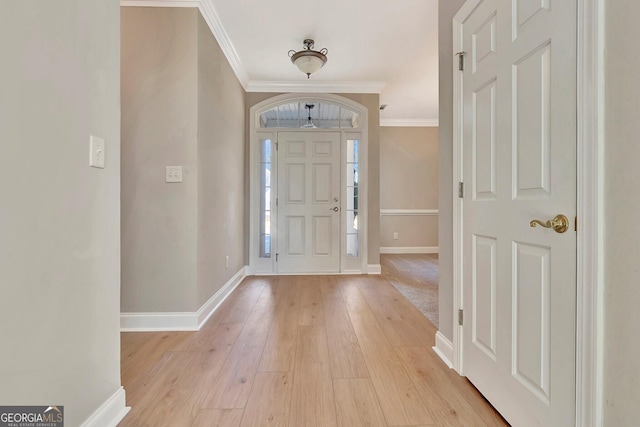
pixel 308 64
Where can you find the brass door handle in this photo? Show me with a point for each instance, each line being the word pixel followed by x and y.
pixel 559 223
pixel 335 209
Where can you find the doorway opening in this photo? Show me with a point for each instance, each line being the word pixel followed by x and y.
pixel 308 185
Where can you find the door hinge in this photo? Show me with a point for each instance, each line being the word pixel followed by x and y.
pixel 461 190
pixel 460 56
pixel 276 202
pixel 277 257
pixel 460 317
pixel 576 224
pixel 276 145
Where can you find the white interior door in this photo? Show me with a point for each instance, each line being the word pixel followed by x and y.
pixel 519 164
pixel 308 202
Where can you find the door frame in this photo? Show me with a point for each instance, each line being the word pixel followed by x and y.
pixel 348 265
pixel 590 206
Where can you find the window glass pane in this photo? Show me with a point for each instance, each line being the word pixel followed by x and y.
pixel 265 198
pixel 289 116
pixel 329 116
pixel 352 150
pixel 324 115
pixel 352 245
pixel 352 198
pixel 352 174
pixel 352 222
pixel 265 151
pixel 269 119
pixel 349 119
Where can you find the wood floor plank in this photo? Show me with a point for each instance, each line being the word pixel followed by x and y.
pixel 174 391
pixel 270 400
pixel 402 323
pixel 219 418
pixel 312 402
pixel 240 304
pixel 311 312
pixel 447 405
pixel 212 356
pixel 357 403
pixel 280 349
pixel 397 395
pixel 142 349
pixel 232 386
pixel 211 377
pixel 345 353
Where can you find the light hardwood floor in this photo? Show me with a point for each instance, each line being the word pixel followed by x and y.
pixel 300 351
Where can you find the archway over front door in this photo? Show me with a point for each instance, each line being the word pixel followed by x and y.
pixel 308 185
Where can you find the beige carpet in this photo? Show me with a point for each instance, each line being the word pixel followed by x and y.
pixel 416 277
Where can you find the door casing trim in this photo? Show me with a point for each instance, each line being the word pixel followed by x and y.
pixel 362 131
pixel 590 206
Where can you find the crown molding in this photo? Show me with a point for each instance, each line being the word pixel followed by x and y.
pixel 212 19
pixel 160 3
pixel 409 122
pixel 315 87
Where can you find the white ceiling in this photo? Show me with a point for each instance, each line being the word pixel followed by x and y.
pixel 372 44
pixel 375 46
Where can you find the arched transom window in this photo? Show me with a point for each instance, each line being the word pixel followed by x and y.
pixel 309 114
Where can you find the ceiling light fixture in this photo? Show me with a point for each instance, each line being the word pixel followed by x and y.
pixel 309 123
pixel 308 60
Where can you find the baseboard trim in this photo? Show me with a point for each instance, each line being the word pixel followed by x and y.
pixel 180 321
pixel 374 269
pixel 110 413
pixel 410 250
pixel 444 349
pixel 214 302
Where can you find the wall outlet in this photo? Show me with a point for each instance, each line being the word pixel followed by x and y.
pixel 226 261
pixel 96 152
pixel 395 235
pixel 173 174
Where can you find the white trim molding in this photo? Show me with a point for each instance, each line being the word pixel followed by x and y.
pixel 590 213
pixel 159 3
pixel 444 349
pixel 409 212
pixel 315 87
pixel 110 413
pixel 409 250
pixel 180 321
pixel 374 269
pixel 427 123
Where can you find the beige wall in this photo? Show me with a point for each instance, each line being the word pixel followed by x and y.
pixel 59 218
pixel 372 102
pixel 622 201
pixel 159 128
pixel 409 180
pixel 221 166
pixel 181 105
pixel 446 11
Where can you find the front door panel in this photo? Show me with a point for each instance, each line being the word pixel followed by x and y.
pixel 309 191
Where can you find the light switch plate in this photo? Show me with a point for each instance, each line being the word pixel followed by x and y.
pixel 97 152
pixel 173 174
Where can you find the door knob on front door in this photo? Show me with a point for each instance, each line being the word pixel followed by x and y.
pixel 560 223
pixel 335 209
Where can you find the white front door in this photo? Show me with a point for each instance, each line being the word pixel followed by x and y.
pixel 519 164
pixel 308 202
